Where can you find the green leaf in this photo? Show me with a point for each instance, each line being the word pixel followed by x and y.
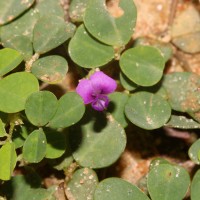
pixel 63 162
pixel 15 89
pixel 40 107
pixel 195 192
pixel 119 189
pixel 56 143
pixel 8 159
pixel 157 161
pixel 127 83
pixel 77 10
pixel 82 185
pixel 49 32
pixel 50 69
pixel 22 44
pixel 182 122
pixel 194 152
pixel 70 110
pixel 10 9
pixel 42 194
pixel 96 141
pixel 9 59
pixel 143 65
pixel 22 26
pixel 116 107
pixel 166 182
pixel 49 7
pixel 166 49
pixel 23 187
pixel 183 91
pixel 109 29
pixel 147 110
pixel 34 148
pixel 88 52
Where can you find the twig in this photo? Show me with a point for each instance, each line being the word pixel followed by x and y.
pixel 173 7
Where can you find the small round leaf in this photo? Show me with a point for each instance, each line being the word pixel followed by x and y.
pixel 8 160
pixel 10 9
pixel 82 185
pixel 15 89
pixel 194 151
pixel 183 91
pixel 77 10
pixel 40 107
pixel 34 148
pixel 49 32
pixel 107 28
pixel 147 110
pixel 56 143
pixel 119 189
pixel 195 192
pixel 182 122
pixel 50 69
pixel 166 182
pixel 22 26
pixel 9 59
pixel 88 52
pixel 127 83
pixel 97 142
pixel 22 44
pixel 49 7
pixel 117 105
pixel 70 110
pixel 143 65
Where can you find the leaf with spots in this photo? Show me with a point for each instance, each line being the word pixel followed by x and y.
pixel 117 188
pixel 143 65
pixel 77 9
pixel 82 185
pixel 49 32
pixel 21 26
pixel 10 9
pixel 194 152
pixel 166 182
pixel 51 69
pixel 147 110
pixel 97 141
pixel 183 91
pixel 115 30
pixel 182 122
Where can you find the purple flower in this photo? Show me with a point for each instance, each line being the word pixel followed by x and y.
pixel 95 90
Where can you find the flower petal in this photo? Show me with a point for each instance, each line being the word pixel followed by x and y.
pixel 100 103
pixel 85 90
pixel 103 83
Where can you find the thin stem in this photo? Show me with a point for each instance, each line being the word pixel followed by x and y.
pixel 70 170
pixel 30 62
pixel 174 4
pixel 11 129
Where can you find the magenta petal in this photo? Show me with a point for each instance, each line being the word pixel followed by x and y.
pixel 103 83
pixel 100 103
pixel 85 90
